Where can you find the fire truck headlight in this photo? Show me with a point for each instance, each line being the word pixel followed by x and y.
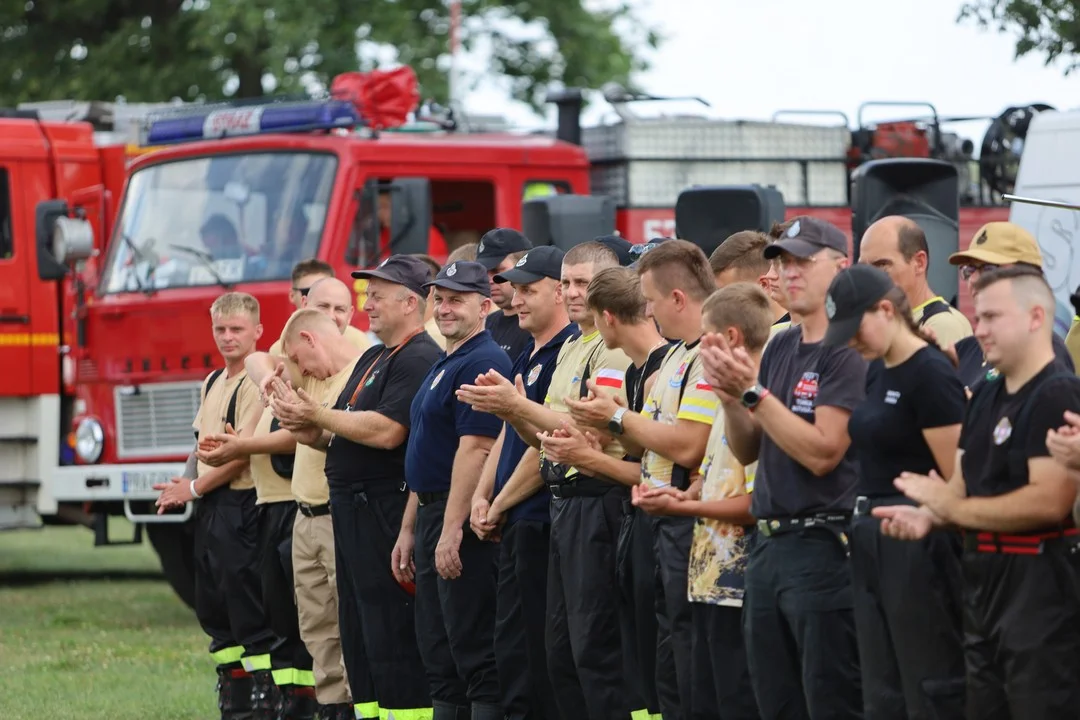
pixel 89 440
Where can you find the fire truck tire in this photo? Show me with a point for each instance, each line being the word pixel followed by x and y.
pixel 175 545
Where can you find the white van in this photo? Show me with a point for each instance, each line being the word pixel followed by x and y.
pixel 1050 170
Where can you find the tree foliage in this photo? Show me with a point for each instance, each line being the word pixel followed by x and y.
pixel 1047 27
pixel 154 50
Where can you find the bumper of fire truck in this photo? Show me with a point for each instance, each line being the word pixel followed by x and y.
pixel 127 483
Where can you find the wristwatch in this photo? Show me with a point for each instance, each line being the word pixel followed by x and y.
pixel 615 423
pixel 752 396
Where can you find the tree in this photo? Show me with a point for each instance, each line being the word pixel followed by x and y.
pixel 154 50
pixel 1047 27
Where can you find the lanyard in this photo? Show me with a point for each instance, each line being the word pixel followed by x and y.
pixel 360 385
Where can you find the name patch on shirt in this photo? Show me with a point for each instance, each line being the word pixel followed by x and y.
pixel 892 397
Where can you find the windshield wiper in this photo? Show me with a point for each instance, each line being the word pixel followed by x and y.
pixel 139 257
pixel 207 262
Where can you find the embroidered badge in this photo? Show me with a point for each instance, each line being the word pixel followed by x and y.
pixel 1003 431
pixel 533 374
pixel 793 231
pixel 452 270
pixel 830 307
pixel 437 377
pixel 521 262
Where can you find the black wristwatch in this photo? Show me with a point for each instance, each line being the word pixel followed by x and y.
pixel 615 423
pixel 752 396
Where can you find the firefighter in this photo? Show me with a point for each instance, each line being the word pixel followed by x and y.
pixel 672 429
pixel 228 593
pixel 906 594
pixel 897 245
pixel 741 258
pixel 364 435
pixel 618 311
pixel 1013 501
pixel 313 557
pixel 448 442
pixel 304 275
pixel 583 645
pixel 499 250
pixel 524 536
pixel 792 417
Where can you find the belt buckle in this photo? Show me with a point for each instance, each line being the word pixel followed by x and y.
pixel 862 506
pixel 766 527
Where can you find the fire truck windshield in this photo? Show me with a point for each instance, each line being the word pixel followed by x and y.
pixel 219 220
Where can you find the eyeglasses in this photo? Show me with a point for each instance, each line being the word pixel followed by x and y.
pixel 966 271
pixel 303 291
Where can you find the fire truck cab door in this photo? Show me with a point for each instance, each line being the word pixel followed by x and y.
pixel 17 271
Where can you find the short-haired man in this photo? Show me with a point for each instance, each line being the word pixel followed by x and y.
pixel 897 245
pixel 304 276
pixel 430 326
pixel 448 444
pixel 618 309
pixel 583 643
pixel 1014 504
pixel 720 502
pixel 313 549
pixel 465 253
pixel 672 429
pixel 521 609
pixel 792 416
pixel 741 258
pixel 228 600
pixel 499 250
pixel 364 435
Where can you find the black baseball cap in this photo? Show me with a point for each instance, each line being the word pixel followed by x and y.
pixel 407 270
pixel 539 263
pixel 463 277
pixel 852 292
pixel 807 236
pixel 618 245
pixel 497 244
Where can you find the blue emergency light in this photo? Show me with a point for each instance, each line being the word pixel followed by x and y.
pixel 252 120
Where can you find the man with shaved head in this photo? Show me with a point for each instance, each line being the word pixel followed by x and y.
pixel 898 246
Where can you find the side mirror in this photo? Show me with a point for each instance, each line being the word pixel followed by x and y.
pixel 567 220
pixel 238 192
pixel 61 240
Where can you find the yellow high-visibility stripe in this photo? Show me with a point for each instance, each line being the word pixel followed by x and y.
pixel 366 711
pixel 227 656
pixel 252 663
pixel 413 714
pixel 29 339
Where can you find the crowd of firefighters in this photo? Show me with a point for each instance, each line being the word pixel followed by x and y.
pixel 624 482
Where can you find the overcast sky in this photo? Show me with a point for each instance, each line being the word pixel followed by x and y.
pixel 750 59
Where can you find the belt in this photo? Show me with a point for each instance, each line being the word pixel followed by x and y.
pixel 1007 544
pixel 864 504
pixel 581 487
pixel 313 510
pixel 770 527
pixel 426 498
pixel 376 489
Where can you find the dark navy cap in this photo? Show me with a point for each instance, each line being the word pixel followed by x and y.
pixel 807 236
pixel 537 264
pixel 407 270
pixel 463 276
pixel 618 245
pixel 497 244
pixel 852 292
pixel 638 250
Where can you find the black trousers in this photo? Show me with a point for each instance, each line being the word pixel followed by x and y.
pixel 908 621
pixel 1022 635
pixel 637 576
pixel 584 647
pixel 376 614
pixel 289 658
pixel 228 588
pixel 720 675
pixel 672 537
pixel 520 615
pixel 454 627
pixel 799 602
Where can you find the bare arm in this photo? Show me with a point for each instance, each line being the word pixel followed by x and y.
pixel 1045 500
pixel 817 446
pixel 523 483
pixel 734 510
pixel 485 487
pixel 683 443
pixel 260 366
pixel 366 427
pixel 469 461
pixel 943 443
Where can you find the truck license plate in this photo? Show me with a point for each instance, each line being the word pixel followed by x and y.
pixel 142 483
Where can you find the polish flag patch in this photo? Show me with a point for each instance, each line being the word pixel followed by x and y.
pixel 703 384
pixel 608 377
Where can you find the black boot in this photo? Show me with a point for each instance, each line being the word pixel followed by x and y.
pixel 265 696
pixel 448 711
pixel 487 711
pixel 298 703
pixel 234 690
pixel 337 711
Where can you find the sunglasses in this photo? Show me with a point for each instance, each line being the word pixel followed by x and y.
pixel 966 271
pixel 303 291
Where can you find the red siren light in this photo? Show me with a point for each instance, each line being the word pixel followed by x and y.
pixel 384 98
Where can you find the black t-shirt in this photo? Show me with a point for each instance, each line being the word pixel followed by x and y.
pixel 805 376
pixel 886 429
pixel 391 380
pixel 974 370
pixel 992 427
pixel 507 333
pixel 636 377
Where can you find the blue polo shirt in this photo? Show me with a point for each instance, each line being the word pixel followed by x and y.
pixel 535 371
pixel 439 419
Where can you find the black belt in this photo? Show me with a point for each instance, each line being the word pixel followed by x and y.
pixel 376 489
pixel 770 527
pixel 1029 544
pixel 426 498
pixel 864 504
pixel 313 510
pixel 582 486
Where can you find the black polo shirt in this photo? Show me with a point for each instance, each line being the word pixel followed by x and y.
pixel 439 419
pixel 391 378
pixel 507 334
pixel 806 376
pixel 535 371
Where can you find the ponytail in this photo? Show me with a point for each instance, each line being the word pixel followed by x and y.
pixel 900 304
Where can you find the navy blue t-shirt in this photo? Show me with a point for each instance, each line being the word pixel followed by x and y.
pixel 535 371
pixel 439 419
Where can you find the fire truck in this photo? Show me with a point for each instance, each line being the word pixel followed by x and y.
pixel 107 293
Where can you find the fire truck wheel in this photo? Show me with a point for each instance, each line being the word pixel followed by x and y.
pixel 175 545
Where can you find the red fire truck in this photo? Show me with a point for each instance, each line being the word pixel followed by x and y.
pixel 108 357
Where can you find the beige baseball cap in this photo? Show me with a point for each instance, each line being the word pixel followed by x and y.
pixel 1000 243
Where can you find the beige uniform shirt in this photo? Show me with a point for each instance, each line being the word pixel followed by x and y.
pixel 948 327
pixel 213 411
pixel 309 468
pixel 269 486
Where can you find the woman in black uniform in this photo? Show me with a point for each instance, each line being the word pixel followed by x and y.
pixel 906 602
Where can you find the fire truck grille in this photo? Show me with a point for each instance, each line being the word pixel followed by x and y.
pixel 155 420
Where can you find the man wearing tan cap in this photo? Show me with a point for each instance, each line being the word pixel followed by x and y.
pixel 995 245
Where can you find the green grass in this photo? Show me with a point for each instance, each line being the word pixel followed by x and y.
pixel 108 641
